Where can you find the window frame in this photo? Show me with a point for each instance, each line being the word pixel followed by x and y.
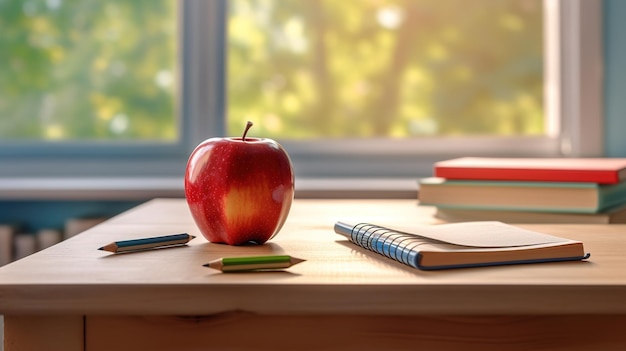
pixel 573 92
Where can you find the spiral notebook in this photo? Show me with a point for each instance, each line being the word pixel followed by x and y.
pixel 465 244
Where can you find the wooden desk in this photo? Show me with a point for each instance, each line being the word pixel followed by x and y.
pixel 75 297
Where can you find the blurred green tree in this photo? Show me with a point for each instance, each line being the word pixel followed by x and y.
pixel 84 70
pixel 386 68
pixel 92 70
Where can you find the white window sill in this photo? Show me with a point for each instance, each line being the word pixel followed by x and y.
pixel 148 188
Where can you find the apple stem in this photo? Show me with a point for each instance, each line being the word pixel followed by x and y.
pixel 248 125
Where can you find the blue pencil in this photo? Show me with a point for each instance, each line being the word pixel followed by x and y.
pixel 148 243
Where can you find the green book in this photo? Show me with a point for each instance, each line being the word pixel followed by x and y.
pixel 613 215
pixel 516 195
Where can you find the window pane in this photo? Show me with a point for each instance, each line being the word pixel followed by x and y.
pixel 385 68
pixel 88 70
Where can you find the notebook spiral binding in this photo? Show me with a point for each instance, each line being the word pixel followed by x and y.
pixel 398 246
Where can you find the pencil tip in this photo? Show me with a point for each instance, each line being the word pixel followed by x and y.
pixel 102 248
pixel 295 260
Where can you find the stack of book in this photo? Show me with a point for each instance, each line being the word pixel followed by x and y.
pixel 528 190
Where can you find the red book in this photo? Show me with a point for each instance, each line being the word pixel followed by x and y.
pixel 593 170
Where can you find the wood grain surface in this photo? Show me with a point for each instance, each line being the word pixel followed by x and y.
pixel 75 278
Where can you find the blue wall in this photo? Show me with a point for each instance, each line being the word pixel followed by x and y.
pixel 31 216
pixel 615 77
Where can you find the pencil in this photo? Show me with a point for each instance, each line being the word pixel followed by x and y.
pixel 253 263
pixel 148 243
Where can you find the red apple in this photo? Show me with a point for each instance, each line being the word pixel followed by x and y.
pixel 239 190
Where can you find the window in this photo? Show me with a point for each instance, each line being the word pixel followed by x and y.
pixel 338 85
pixel 202 92
pixel 90 89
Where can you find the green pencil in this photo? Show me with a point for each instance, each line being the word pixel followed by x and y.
pixel 253 263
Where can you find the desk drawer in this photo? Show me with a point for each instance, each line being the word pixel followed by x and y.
pixel 242 331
